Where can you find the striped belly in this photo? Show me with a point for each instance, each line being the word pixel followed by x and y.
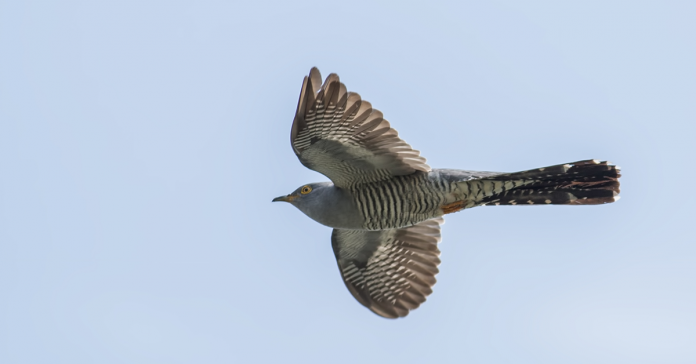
pixel 399 202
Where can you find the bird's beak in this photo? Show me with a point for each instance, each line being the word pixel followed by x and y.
pixel 287 198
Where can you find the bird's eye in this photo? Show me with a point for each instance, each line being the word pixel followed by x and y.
pixel 305 190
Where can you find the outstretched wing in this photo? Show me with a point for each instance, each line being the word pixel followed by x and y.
pixel 391 272
pixel 341 136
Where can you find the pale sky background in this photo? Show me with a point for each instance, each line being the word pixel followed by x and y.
pixel 141 143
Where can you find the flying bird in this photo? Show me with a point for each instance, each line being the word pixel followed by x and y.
pixel 385 204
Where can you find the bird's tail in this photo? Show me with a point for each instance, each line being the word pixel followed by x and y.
pixel 588 182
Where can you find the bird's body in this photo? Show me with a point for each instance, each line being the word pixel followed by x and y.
pixel 399 202
pixel 386 205
pixel 404 201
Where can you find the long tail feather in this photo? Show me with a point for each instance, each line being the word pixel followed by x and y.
pixel 588 182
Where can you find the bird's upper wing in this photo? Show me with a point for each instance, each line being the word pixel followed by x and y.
pixel 341 136
pixel 390 271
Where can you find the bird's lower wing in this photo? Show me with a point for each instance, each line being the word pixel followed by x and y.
pixel 391 272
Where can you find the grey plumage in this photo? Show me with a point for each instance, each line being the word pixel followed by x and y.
pixel 386 204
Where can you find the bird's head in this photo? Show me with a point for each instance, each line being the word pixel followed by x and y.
pixel 326 204
pixel 307 195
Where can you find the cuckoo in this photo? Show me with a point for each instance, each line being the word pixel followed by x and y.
pixel 385 204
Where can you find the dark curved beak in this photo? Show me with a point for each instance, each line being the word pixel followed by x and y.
pixel 287 198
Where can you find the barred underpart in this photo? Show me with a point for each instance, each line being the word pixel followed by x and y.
pixel 400 201
pixel 408 200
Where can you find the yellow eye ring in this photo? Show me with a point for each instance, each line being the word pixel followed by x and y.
pixel 305 190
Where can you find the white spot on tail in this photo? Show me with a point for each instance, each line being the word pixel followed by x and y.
pixel 547 201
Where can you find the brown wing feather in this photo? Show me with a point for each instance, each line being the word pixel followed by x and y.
pixel 338 134
pixel 391 272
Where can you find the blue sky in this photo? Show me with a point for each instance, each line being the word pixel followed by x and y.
pixel 141 143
